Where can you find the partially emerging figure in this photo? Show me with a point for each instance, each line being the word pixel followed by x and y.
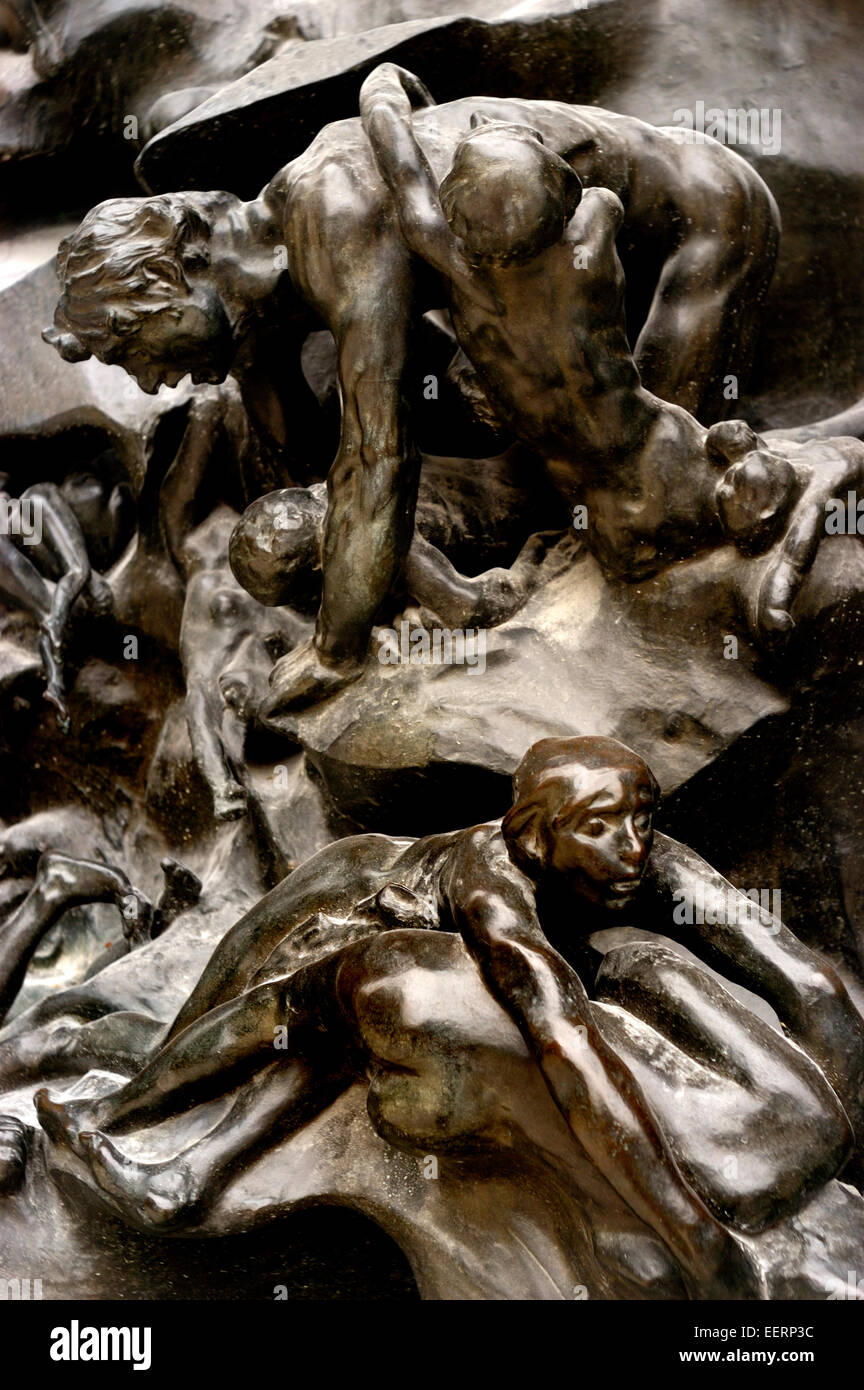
pixel 226 646
pixel 765 500
pixel 49 569
pixel 62 882
pixel 321 962
pixel 275 553
pixel 537 297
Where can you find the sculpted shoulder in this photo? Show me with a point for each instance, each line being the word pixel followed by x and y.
pixel 479 853
pixel 337 163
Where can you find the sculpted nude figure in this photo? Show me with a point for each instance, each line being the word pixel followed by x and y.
pixel 328 960
pixel 537 297
pixel 49 572
pixel 203 283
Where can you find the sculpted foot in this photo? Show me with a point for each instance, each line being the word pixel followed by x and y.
pixel 100 596
pixel 300 679
pixel 64 1121
pixel 137 913
pixel 54 693
pixel 156 1195
pixel 61 878
pixel 182 890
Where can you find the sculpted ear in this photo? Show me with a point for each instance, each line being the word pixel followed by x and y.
pixel 68 346
pixel 524 833
pixel 532 841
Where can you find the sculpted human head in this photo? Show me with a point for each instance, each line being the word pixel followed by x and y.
pixel 275 547
pixel 583 814
pixel 134 292
pixel 506 195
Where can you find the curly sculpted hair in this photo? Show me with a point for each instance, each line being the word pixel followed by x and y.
pixel 126 261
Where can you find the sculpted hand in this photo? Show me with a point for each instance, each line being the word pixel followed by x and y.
pixel 387 80
pixel 776 596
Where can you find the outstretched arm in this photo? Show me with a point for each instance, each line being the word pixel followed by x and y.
pixel 591 1085
pixel 386 112
pixel 492 597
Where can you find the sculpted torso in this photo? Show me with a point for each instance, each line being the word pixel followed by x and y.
pixel 332 200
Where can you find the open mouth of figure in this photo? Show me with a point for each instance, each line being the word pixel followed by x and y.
pixel 622 886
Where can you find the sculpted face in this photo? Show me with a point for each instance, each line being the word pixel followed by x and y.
pixel 167 346
pixel 600 841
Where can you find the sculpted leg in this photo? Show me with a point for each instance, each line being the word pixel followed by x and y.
pixel 63 538
pixel 202 1054
pixel 60 883
pixel 312 1057
pixel 269 1106
pixel 116 1042
pixel 204 720
pixel 22 582
pixel 331 881
pixel 779 1090
pixel 704 317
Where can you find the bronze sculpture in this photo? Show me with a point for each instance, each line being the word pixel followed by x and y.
pixel 556 1053
pixel 507 220
pixel 60 550
pixel 198 315
pixel 577 842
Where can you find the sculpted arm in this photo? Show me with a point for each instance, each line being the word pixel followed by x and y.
pixel 495 913
pixel 754 948
pixel 386 112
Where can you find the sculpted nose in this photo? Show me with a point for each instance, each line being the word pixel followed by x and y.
pixel 630 847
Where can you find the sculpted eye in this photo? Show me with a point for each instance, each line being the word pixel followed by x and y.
pixel 595 827
pixel 642 821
